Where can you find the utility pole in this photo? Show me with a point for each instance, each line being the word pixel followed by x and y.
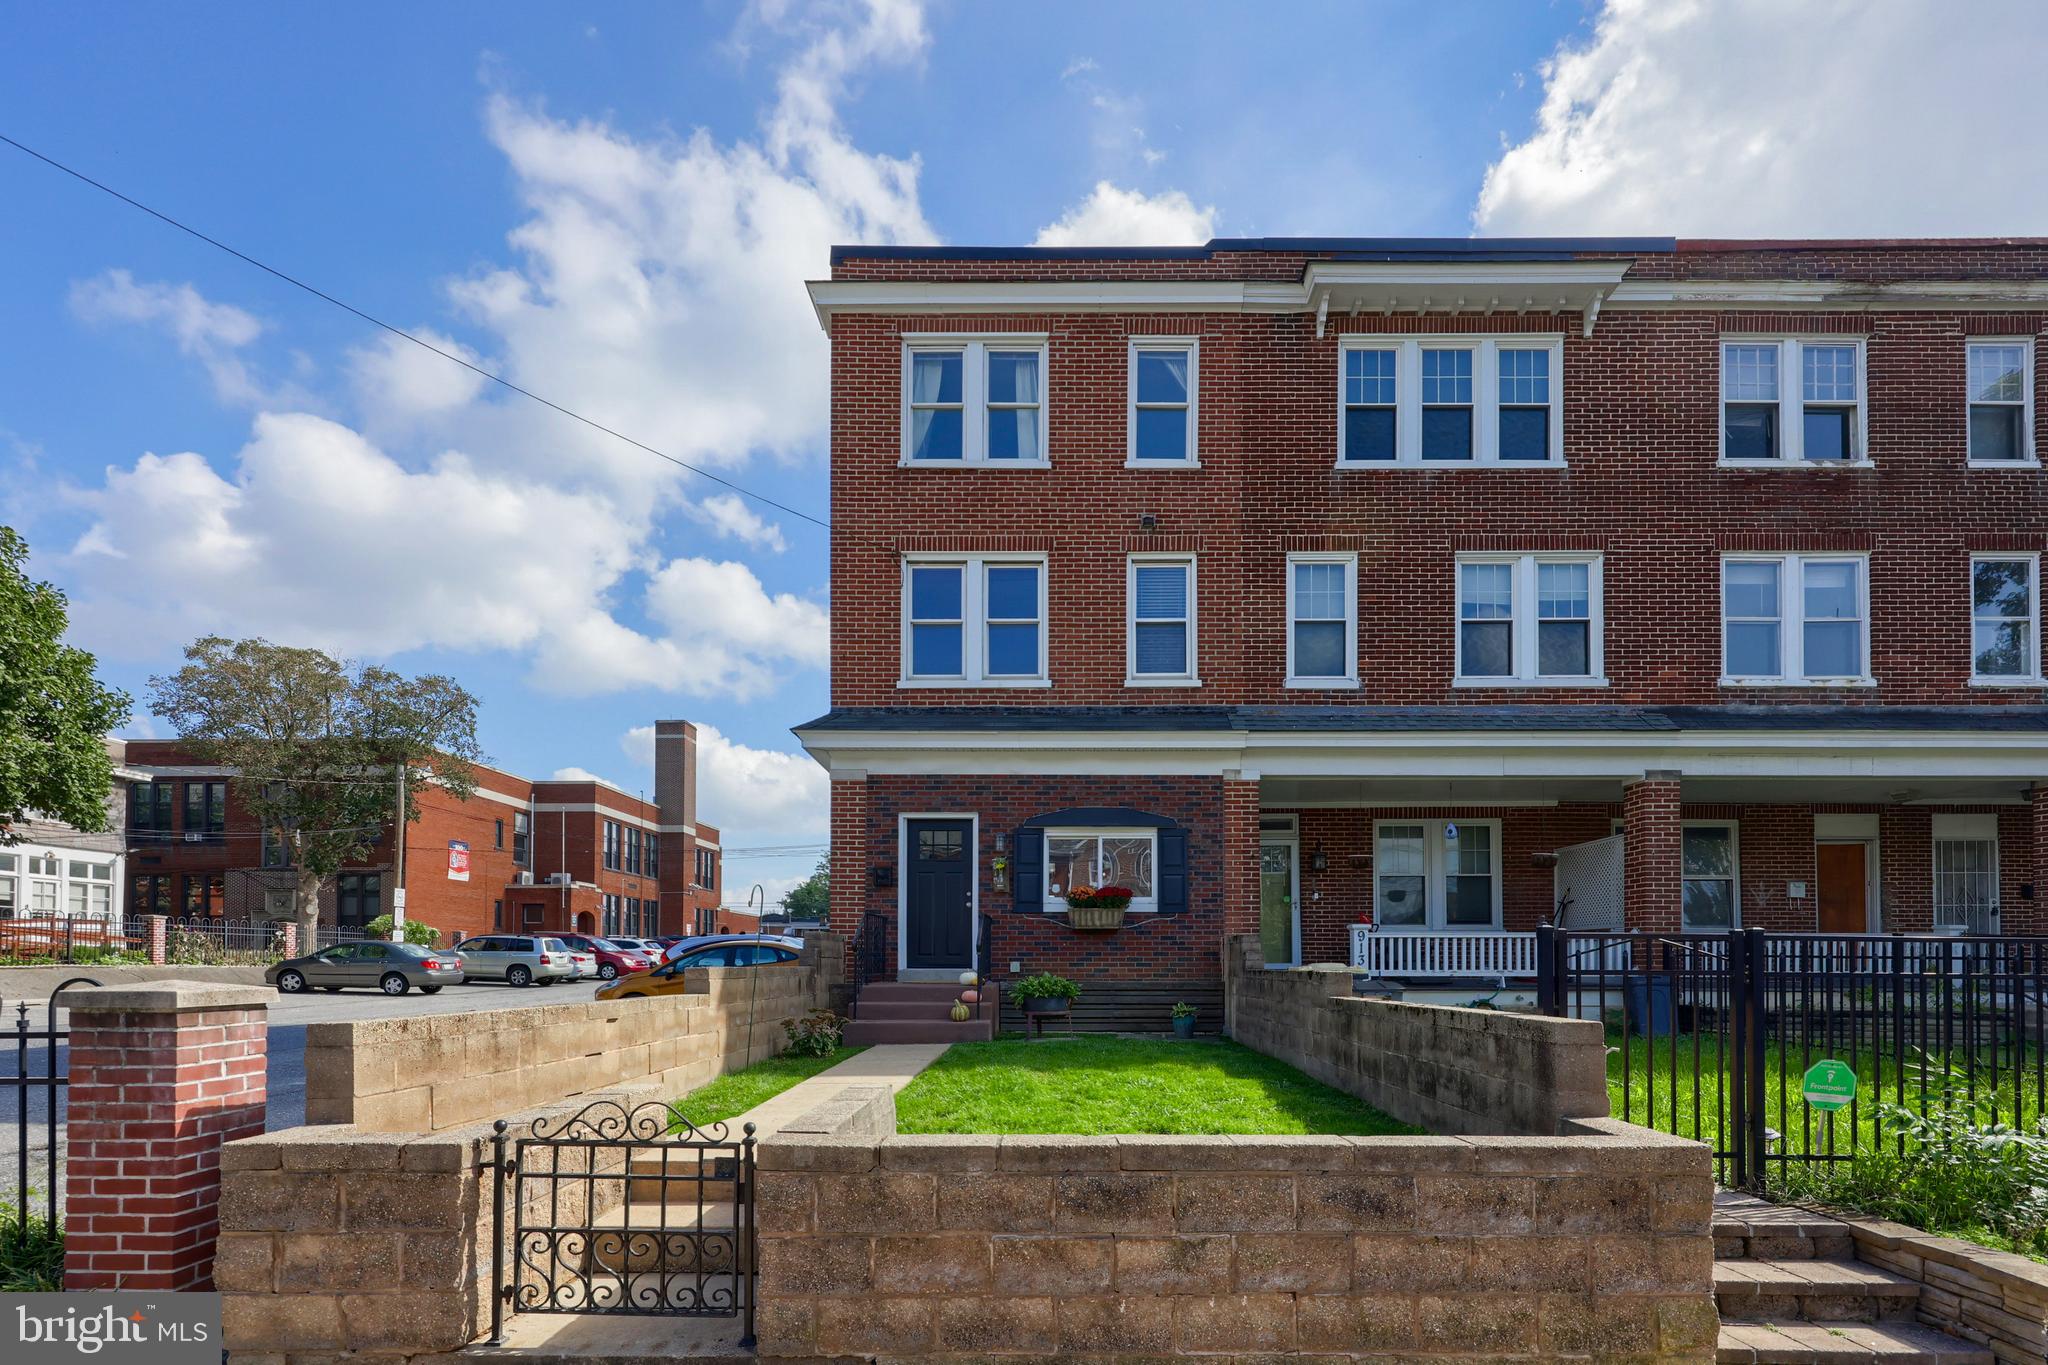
pixel 398 865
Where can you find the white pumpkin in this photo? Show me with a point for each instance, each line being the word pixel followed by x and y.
pixel 969 979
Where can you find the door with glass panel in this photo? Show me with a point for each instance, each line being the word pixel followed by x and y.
pixel 1279 913
pixel 1437 875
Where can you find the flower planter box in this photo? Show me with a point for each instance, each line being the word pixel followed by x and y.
pixel 1046 1004
pixel 1096 917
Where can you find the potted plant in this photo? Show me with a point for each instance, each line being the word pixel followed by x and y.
pixel 1098 907
pixel 1045 993
pixel 1183 1020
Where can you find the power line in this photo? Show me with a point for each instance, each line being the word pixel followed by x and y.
pixel 401 332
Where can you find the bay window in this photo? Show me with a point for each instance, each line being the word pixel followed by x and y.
pixel 974 619
pixel 2004 627
pixel 1787 401
pixel 1528 619
pixel 1160 632
pixel 974 401
pixel 1441 875
pixel 2001 393
pixel 1966 874
pixel 1322 620
pixel 1102 857
pixel 1163 414
pixel 1795 620
pixel 1450 400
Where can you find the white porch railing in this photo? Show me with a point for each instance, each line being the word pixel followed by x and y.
pixel 1486 954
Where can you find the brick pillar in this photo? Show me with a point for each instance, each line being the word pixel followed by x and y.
pixel 849 898
pixel 1652 847
pixel 159 933
pixel 2026 916
pixel 1240 855
pixel 161 1076
pixel 288 939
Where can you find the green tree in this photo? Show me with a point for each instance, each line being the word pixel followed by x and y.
pixel 315 745
pixel 811 898
pixel 54 715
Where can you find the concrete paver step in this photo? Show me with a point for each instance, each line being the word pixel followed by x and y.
pixel 1841 1343
pixel 939 1030
pixel 1811 1290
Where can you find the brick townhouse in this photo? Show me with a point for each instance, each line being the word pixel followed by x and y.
pixel 517 854
pixel 1389 597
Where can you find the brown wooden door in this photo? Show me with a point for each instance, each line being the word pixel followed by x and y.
pixel 1844 888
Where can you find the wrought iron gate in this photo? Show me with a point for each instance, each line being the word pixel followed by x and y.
pixel 623 1210
pixel 50 1084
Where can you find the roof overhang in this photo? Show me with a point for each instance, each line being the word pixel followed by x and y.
pixel 1386 288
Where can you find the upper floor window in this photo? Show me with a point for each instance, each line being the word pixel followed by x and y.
pixel 1791 401
pixel 2004 625
pixel 611 846
pixel 1160 634
pixel 149 811
pixel 974 620
pixel 1795 619
pixel 1456 400
pixel 1163 401
pixel 206 811
pixel 1528 619
pixel 1322 620
pixel 974 401
pixel 521 836
pixel 2001 380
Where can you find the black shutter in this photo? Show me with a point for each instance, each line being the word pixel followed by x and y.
pixel 1173 871
pixel 1027 871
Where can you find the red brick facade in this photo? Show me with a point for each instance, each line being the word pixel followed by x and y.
pixel 563 883
pixel 1640 485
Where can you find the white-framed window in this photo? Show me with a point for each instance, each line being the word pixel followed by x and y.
pixel 1436 874
pixel 2001 401
pixel 1450 400
pixel 10 887
pixel 1102 857
pixel 1788 401
pixel 974 401
pixel 974 620
pixel 1165 402
pixel 1159 648
pixel 1531 618
pixel 1710 864
pixel 1795 620
pixel 2005 627
pixel 1965 873
pixel 1322 620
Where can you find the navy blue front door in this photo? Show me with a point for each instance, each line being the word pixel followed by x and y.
pixel 938 900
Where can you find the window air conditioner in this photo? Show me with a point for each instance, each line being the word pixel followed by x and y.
pixel 561 879
pixel 524 879
pixel 195 836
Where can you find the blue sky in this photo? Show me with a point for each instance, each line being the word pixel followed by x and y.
pixel 618 207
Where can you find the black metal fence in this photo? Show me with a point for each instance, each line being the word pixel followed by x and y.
pixel 1710 1036
pixel 38 1080
pixel 619 1210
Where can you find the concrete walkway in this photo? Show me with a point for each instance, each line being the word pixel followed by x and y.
pixel 891 1064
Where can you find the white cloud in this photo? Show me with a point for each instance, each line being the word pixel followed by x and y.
pixel 729 515
pixel 1111 216
pixel 397 382
pixel 214 334
pixel 1766 118
pixel 755 796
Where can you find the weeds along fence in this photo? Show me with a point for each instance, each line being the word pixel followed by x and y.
pixel 1711 1035
pixel 220 943
pixel 32 940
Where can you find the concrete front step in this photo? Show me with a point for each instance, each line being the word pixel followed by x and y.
pixel 1841 1343
pixel 1752 1228
pixel 1812 1290
pixel 941 991
pixel 865 1030
pixel 903 1009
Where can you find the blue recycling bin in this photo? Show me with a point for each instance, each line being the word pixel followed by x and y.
pixel 1649 1006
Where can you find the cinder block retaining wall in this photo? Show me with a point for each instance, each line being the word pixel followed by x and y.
pixel 1994 1298
pixel 963 1248
pixel 430 1073
pixel 1447 1070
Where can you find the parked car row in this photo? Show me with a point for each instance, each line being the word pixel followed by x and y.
pixel 528 960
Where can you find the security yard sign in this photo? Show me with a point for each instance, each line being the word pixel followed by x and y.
pixel 1829 1085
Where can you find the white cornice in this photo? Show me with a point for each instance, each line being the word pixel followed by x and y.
pixel 1830 295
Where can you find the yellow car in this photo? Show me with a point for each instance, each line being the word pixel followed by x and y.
pixel 733 951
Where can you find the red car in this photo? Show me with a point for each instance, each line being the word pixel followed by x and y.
pixel 613 960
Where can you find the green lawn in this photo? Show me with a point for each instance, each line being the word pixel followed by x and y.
pixel 1091 1085
pixel 738 1091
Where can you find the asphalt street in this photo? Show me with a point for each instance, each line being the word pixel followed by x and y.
pixel 289 1016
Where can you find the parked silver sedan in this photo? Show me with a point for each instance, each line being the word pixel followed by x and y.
pixel 519 959
pixel 393 968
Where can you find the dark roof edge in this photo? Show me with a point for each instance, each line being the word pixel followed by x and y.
pixel 1394 719
pixel 1389 247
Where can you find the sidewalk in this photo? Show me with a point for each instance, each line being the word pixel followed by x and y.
pixel 893 1064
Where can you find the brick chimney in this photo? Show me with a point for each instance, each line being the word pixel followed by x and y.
pixel 675 772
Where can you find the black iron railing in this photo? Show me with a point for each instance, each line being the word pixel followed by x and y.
pixel 870 954
pixel 1710 1036
pixel 41 1073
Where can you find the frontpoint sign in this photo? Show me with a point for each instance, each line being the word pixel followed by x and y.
pixel 1829 1085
